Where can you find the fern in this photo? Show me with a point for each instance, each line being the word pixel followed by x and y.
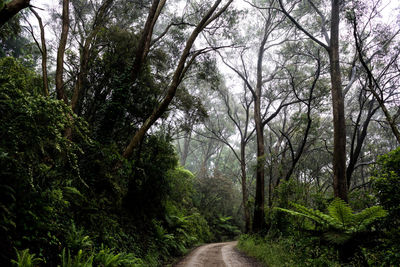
pixel 341 223
pixel 26 259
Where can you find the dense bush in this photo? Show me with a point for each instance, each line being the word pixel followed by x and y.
pixel 386 185
pixel 78 202
pixel 37 163
pixel 288 251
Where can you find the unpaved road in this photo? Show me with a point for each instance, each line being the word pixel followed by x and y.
pixel 217 255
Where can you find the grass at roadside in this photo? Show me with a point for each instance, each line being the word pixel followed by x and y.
pixel 281 252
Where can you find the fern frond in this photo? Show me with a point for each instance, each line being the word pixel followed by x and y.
pixel 368 216
pixel 316 215
pixel 342 212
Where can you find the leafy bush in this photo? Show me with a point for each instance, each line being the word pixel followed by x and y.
pixel 386 186
pixel 36 162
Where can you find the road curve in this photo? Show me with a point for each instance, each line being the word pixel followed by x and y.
pixel 217 255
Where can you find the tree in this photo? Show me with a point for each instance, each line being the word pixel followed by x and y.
pixel 240 117
pixel 374 84
pixel 262 113
pixel 100 19
pixel 332 48
pixel 211 15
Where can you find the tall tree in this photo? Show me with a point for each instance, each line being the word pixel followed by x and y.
pixel 263 102
pixel 373 82
pixel 183 64
pixel 240 116
pixel 112 115
pixel 332 48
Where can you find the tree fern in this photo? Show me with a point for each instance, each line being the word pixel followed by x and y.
pixel 341 223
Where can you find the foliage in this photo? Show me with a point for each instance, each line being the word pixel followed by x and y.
pixel 386 186
pixel 36 161
pixel 26 259
pixel 108 258
pixel 104 257
pixel 341 226
pixel 80 260
pixel 287 251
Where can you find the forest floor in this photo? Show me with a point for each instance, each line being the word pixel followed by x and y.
pixel 218 255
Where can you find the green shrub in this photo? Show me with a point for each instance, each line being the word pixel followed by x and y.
pixel 386 186
pixel 26 259
pixel 286 251
pixel 80 260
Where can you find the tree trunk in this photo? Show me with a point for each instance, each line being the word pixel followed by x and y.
pixel 186 143
pixel 355 152
pixel 60 53
pixel 43 50
pixel 339 139
pixel 259 213
pixel 11 9
pixel 374 83
pixel 244 186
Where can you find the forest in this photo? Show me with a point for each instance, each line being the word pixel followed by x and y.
pixel 133 131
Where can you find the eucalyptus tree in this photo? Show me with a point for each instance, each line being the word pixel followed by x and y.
pixel 375 45
pixel 185 60
pixel 256 67
pixel 331 45
pixel 236 111
pixel 378 54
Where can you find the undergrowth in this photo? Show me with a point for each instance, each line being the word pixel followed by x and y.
pixel 286 251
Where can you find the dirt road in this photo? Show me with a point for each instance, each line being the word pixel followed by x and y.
pixel 217 255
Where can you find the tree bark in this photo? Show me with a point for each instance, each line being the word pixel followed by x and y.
pixel 11 9
pixel 60 53
pixel 245 194
pixel 339 127
pixel 259 213
pixel 43 50
pixel 356 145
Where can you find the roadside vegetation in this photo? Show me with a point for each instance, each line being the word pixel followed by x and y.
pixel 132 131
